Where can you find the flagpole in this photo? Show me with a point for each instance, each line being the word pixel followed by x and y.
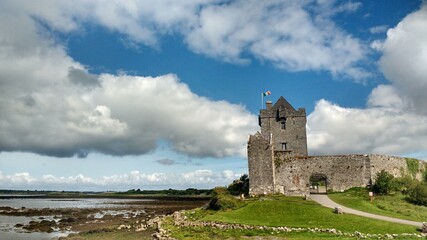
pixel 262 100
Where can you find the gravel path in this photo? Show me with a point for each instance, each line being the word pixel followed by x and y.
pixel 327 202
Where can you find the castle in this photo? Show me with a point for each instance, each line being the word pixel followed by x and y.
pixel 278 159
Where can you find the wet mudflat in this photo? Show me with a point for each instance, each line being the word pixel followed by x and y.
pixel 28 219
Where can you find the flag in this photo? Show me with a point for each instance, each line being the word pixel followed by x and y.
pixel 266 93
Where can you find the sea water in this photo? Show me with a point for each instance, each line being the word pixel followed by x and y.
pixel 7 223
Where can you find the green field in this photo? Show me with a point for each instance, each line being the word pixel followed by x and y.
pixel 387 205
pixel 289 212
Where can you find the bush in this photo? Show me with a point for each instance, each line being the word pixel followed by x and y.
pixel 240 186
pixel 385 183
pixel 418 194
pixel 222 200
pixel 404 184
pixel 413 166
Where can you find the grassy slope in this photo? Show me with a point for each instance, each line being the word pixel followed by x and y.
pixel 295 212
pixel 392 206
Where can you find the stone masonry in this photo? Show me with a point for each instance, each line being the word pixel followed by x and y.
pixel 278 160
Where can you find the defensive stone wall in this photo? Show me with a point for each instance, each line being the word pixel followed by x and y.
pixel 397 166
pixel 341 172
pixel 292 173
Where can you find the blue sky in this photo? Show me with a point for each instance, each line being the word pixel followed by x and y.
pixel 136 94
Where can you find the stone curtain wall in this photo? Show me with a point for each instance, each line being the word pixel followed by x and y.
pixel 342 172
pixel 394 165
pixel 397 166
pixel 292 173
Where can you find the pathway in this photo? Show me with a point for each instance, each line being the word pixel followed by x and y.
pixel 327 202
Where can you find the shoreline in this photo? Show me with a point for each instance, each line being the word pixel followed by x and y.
pixel 153 197
pixel 125 218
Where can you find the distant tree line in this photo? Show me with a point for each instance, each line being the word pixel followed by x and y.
pixel 172 192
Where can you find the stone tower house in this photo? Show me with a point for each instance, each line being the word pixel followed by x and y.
pixel 285 126
pixel 282 130
pixel 278 161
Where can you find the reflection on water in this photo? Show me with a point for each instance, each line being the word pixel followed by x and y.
pixel 7 223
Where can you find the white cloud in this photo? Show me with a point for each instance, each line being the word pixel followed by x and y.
pixel 378 29
pixel 300 34
pixel 405 57
pixel 202 178
pixel 125 115
pixel 395 119
pixel 295 39
pixel 386 96
pixel 383 130
pixel 51 105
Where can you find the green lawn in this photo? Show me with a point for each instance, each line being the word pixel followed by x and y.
pixel 283 211
pixel 295 212
pixel 392 206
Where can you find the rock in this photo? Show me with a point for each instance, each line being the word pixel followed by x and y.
pixel 43 226
pixel 141 228
pixel 338 210
pixel 424 227
pixel 67 220
pixel 18 225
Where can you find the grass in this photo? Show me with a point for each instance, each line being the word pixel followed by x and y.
pixel 283 211
pixel 390 205
pixel 204 233
pixel 295 212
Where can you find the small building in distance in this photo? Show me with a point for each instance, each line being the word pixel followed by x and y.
pixel 278 159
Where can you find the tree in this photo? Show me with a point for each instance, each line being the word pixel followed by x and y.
pixel 240 186
pixel 385 183
pixel 418 194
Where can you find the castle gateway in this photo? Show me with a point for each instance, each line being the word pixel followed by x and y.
pixel 279 163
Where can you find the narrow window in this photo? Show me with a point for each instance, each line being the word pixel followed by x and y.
pixel 283 124
pixel 284 146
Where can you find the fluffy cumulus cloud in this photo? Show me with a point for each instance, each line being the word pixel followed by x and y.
pixel 394 120
pixel 51 105
pixel 301 34
pixel 405 57
pixel 203 178
pixel 125 115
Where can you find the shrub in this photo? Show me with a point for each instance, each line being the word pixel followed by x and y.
pixel 222 200
pixel 404 184
pixel 240 186
pixel 385 183
pixel 412 165
pixel 418 194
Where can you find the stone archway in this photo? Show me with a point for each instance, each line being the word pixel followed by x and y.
pixel 318 183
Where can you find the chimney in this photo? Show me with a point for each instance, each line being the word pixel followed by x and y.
pixel 268 105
